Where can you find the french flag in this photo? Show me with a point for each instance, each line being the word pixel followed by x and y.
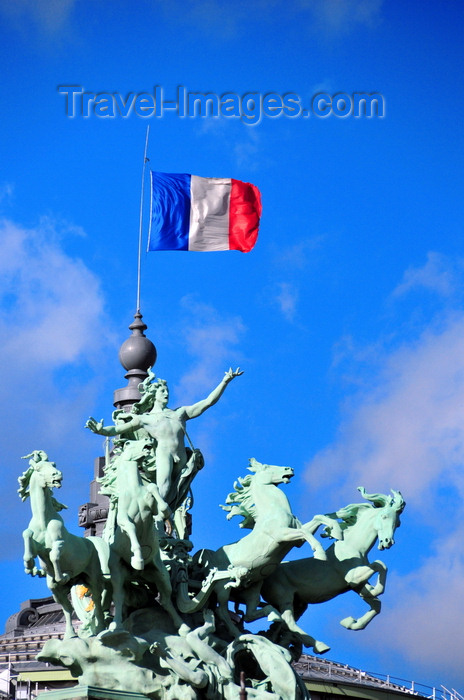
pixel 202 213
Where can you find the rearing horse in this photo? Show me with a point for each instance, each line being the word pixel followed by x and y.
pixel 237 570
pixel 65 559
pixel 130 530
pixel 294 585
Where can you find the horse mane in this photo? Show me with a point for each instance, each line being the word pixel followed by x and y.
pixel 36 458
pixel 110 474
pixel 24 480
pixel 349 514
pixel 110 471
pixel 240 501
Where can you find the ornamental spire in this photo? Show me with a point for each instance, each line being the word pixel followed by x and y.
pixel 136 355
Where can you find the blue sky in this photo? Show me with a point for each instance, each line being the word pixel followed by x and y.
pixel 347 317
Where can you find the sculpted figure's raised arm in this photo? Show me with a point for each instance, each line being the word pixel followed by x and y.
pixel 200 407
pixel 164 425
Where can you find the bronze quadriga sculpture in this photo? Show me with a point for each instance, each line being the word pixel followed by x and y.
pixel 156 619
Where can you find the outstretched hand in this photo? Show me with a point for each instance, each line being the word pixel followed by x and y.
pixel 231 373
pixel 94 426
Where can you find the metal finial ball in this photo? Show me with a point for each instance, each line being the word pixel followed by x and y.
pixel 137 352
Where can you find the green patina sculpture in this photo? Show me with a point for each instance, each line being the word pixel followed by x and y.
pixel 346 567
pixel 274 531
pixel 152 417
pixel 131 534
pixel 64 557
pixel 155 619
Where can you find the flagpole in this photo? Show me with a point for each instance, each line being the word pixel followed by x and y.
pixel 139 257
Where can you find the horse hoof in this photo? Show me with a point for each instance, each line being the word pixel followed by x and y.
pixel 183 630
pixel 274 617
pixel 113 627
pixel 348 622
pixel 321 648
pixel 137 563
pixel 116 638
pixel 320 554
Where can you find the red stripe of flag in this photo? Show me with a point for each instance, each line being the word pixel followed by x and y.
pixel 244 214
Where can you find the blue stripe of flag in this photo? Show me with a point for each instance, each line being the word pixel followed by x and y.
pixel 170 221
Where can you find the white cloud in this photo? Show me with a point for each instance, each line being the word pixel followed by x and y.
pixel 54 300
pixel 247 151
pixel 206 14
pixel 287 299
pixel 340 16
pixel 406 431
pixel 428 601
pixel 437 275
pixel 331 17
pixel 298 255
pixel 242 143
pixel 6 192
pixel 212 340
pixel 52 328
pixel 50 16
pixel 289 262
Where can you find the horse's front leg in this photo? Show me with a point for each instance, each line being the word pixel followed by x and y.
pixel 55 556
pixel 29 553
pixel 301 535
pixel 332 528
pixel 252 599
pixel 127 525
pixel 355 578
pixel 306 532
pixel 375 604
pixel 360 575
pixel 379 586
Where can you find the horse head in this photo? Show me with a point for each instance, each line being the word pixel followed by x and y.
pixel 51 476
pixel 387 515
pixel 270 473
pixel 40 465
